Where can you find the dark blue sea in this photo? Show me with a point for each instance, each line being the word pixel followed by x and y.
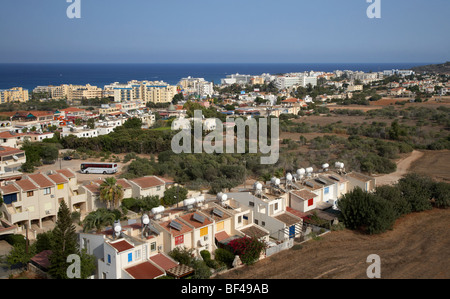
pixel 29 76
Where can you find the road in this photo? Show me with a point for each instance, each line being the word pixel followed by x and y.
pixel 402 169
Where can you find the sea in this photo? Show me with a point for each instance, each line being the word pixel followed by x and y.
pixel 29 76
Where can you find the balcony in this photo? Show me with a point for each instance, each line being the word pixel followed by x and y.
pixel 76 199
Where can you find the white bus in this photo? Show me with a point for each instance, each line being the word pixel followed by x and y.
pixel 104 168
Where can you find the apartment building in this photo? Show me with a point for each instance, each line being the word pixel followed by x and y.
pixel 144 91
pixel 148 186
pixel 196 86
pixel 34 198
pixel 132 250
pixel 236 79
pixel 15 94
pixel 80 132
pixel 269 203
pixel 11 139
pixel 11 159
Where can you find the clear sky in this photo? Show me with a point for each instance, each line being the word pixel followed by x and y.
pixel 301 31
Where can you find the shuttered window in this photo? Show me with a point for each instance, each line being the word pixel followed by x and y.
pixel 203 231
pixel 220 226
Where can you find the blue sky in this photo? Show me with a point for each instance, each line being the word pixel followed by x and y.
pixel 301 31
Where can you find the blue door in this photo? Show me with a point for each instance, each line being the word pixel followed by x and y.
pixel 292 232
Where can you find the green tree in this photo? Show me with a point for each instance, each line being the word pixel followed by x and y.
pixel 417 190
pixel 367 212
pixel 64 243
pixel 110 192
pixel 441 194
pixel 174 195
pixel 133 123
pixel 394 195
pixel 98 220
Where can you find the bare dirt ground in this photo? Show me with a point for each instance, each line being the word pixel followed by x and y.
pixel 417 248
pixel 402 169
pixel 435 164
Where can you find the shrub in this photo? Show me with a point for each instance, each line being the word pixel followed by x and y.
pixel 182 255
pixel 417 190
pixel 366 211
pixel 248 249
pixel 441 194
pixel 225 256
pixel 206 255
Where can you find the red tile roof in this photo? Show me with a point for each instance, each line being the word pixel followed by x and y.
pixel 163 261
pixel 221 236
pixel 123 183
pixel 148 182
pixel 66 172
pixel 8 189
pixel 94 188
pixel 41 180
pixel 304 194
pixel 6 150
pixel 145 270
pixel 57 178
pixel 42 259
pixel 184 228
pixel 26 185
pixel 121 245
pixel 189 218
pixel 8 134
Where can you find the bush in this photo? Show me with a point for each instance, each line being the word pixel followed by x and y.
pixel 206 255
pixel 182 255
pixel 417 190
pixel 248 249
pixel 366 211
pixel 441 194
pixel 225 256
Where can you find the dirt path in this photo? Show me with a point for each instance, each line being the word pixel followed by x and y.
pixel 402 168
pixel 416 248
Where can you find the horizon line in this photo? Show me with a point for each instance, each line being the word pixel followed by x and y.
pixel 391 62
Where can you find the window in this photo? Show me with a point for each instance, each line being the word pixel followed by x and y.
pixel 327 190
pixel 256 221
pixel 30 193
pixel 310 202
pixel 203 231
pixel 276 206
pixel 130 257
pixel 60 186
pixel 263 223
pixel 220 226
pixel 153 246
pixel 251 203
pixel 108 260
pixel 239 219
pixel 47 191
pixel 137 254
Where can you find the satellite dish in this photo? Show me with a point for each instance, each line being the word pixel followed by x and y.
pixel 117 227
pixel 145 219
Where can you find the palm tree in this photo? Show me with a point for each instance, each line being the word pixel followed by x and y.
pixel 110 192
pixel 98 220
